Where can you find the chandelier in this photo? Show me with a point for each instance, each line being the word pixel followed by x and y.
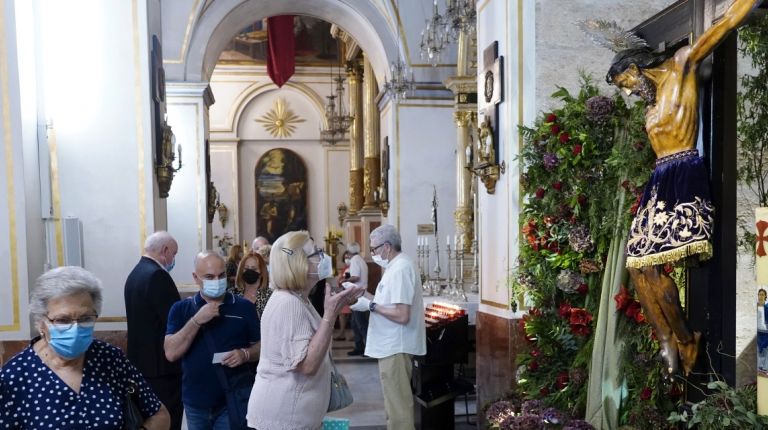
pixel 460 17
pixel 399 86
pixel 337 120
pixel 435 37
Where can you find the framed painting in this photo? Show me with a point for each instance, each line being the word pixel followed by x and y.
pixel 281 193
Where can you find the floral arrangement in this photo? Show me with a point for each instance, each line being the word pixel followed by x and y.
pixel 512 412
pixel 577 161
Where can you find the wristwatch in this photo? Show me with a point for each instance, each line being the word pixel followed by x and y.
pixel 372 306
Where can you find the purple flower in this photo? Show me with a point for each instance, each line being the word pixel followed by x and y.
pixel 599 109
pixel 523 422
pixel 578 425
pixel 532 407
pixel 553 416
pixel 499 410
pixel 551 161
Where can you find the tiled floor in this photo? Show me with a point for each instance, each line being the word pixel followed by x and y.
pixel 367 410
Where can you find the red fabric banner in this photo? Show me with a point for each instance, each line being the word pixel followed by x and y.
pixel 281 52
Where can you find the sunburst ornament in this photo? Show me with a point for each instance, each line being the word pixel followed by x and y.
pixel 280 120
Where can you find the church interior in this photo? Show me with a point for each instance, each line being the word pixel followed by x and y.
pixel 128 117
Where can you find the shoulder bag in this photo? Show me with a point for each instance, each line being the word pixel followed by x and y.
pixel 132 418
pixel 341 395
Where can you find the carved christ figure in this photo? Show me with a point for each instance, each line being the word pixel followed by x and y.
pixel 675 217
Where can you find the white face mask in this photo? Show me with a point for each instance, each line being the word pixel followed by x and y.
pixel 347 261
pixel 380 261
pixel 325 267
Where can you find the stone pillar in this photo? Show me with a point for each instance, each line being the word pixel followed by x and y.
pixel 372 148
pixel 465 117
pixel 356 154
pixel 463 214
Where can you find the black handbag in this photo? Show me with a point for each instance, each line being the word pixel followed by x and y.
pixel 341 395
pixel 132 418
pixel 237 387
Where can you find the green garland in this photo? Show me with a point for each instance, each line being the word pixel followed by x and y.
pixel 576 161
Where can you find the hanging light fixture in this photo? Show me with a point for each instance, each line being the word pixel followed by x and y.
pixel 460 17
pixel 435 37
pixel 336 118
pixel 399 86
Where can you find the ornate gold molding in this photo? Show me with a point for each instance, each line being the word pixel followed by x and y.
pixel 464 118
pixel 371 179
pixel 280 121
pixel 464 218
pixel 355 191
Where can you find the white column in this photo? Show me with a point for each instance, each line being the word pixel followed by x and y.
pixel 187 106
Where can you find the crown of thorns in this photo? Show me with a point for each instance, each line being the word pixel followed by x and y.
pixel 610 35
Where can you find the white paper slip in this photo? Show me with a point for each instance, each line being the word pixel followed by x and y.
pixel 218 356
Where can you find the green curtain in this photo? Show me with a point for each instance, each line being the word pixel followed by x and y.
pixel 606 389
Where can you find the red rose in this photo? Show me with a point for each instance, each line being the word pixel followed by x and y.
pixel 540 193
pixel 535 352
pixel 633 309
pixel 555 129
pixel 557 185
pixel 582 199
pixel 580 316
pixel 576 149
pixel 564 310
pixel 580 330
pixel 544 391
pixel 533 365
pixel 565 137
pixel 583 289
pixel 646 393
pixel 562 380
pixel 551 118
pixel 640 318
pixel 623 299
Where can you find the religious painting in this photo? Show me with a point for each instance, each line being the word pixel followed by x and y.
pixel 281 193
pixel 314 44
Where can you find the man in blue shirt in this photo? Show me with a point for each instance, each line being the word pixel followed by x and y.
pixel 216 335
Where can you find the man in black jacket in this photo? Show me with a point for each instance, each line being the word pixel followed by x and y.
pixel 149 294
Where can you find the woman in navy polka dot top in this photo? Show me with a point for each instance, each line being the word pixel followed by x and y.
pixel 65 379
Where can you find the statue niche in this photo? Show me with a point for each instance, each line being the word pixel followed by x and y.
pixel 281 193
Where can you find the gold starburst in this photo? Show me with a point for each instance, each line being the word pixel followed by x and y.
pixel 280 120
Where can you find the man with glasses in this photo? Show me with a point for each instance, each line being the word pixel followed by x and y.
pixel 149 294
pixel 215 334
pixel 396 329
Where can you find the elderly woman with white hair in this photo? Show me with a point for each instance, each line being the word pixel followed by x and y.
pixel 65 378
pixel 293 380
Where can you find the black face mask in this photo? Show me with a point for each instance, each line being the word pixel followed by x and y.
pixel 251 276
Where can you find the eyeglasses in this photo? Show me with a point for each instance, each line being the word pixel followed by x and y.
pixel 374 248
pixel 65 323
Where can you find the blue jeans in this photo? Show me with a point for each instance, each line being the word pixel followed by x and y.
pixel 207 418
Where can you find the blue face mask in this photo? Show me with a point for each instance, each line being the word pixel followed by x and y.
pixel 214 288
pixel 170 266
pixel 72 342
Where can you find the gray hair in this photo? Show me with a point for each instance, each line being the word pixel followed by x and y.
pixel 205 254
pixel 63 282
pixel 157 240
pixel 353 248
pixel 259 242
pixel 386 233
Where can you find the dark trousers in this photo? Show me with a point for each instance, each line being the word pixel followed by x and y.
pixel 360 329
pixel 168 389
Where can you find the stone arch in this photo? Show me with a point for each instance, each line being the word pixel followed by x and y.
pixel 224 18
pixel 259 88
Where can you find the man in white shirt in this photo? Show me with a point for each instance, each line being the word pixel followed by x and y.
pixel 358 274
pixel 396 329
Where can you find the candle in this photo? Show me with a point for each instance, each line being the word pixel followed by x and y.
pixel 448 240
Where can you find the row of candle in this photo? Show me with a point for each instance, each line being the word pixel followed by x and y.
pixel 424 241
